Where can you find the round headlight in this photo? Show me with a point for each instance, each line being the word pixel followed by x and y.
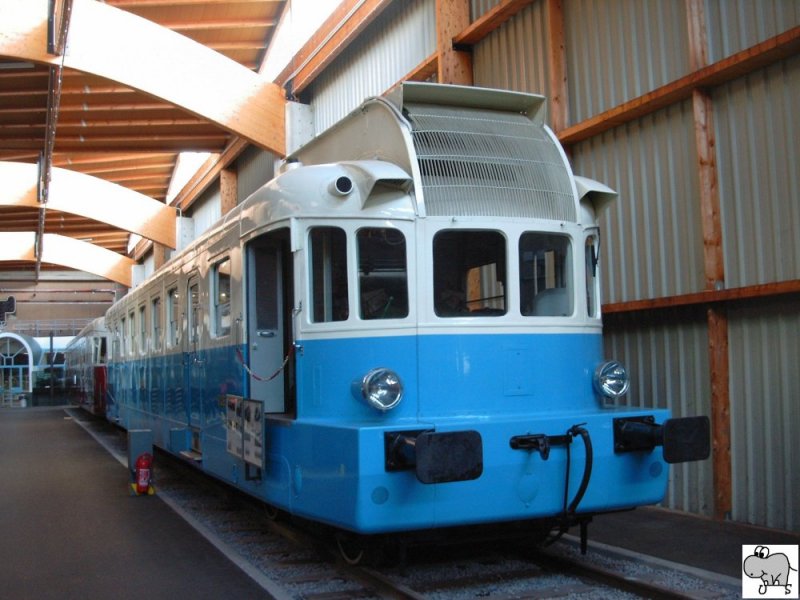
pixel 611 379
pixel 382 389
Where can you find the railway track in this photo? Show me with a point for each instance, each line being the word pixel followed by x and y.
pixel 290 562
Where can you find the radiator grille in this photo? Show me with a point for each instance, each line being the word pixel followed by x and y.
pixel 488 163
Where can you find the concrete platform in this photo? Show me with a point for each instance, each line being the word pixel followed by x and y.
pixel 70 529
pixel 685 539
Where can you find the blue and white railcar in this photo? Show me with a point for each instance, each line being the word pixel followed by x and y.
pixel 401 331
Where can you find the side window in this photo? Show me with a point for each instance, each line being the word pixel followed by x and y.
pixel 194 313
pixel 99 350
pixel 142 337
pixel 382 273
pixel 469 273
pixel 155 323
pixel 592 283
pixel 173 317
pixel 122 335
pixel 329 274
pixel 131 332
pixel 545 272
pixel 117 342
pixel 221 293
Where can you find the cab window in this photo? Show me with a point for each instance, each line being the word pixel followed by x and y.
pixel 382 273
pixel 469 273
pixel 329 274
pixel 545 261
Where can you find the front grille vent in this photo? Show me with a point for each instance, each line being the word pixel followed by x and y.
pixel 477 162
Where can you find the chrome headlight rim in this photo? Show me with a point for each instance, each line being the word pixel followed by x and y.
pixel 611 380
pixel 382 389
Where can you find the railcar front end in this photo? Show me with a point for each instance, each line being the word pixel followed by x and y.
pixel 402 331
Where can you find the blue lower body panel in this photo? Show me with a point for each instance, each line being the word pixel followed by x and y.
pixel 340 477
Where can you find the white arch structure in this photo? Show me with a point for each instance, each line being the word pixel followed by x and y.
pixel 67 252
pixel 90 197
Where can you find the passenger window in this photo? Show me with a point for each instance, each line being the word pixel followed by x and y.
pixel 142 330
pixel 469 273
pixel 122 334
pixel 132 332
pixel 155 319
pixel 329 274
pixel 221 292
pixel 545 274
pixel 382 273
pixel 173 316
pixel 194 313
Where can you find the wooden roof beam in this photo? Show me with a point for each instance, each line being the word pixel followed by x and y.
pixel 90 197
pixel 196 78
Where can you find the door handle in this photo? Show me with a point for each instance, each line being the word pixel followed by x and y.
pixel 265 333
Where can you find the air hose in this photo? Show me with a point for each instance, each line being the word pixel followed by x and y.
pixel 587 469
pixel 572 507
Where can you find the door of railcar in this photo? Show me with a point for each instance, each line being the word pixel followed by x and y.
pixel 194 358
pixel 269 333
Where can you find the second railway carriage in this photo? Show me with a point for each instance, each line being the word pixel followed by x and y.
pixel 401 331
pixel 86 356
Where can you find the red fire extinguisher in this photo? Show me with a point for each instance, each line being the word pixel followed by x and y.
pixel 143 471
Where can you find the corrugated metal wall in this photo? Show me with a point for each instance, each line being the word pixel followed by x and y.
pixel 479 7
pixel 734 25
pixel 207 210
pixel 764 340
pixel 254 168
pixel 652 241
pixel 667 358
pixel 620 49
pixel 514 57
pixel 401 38
pixel 757 130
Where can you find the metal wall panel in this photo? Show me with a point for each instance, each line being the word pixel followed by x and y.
pixel 620 49
pixel 758 153
pixel 734 25
pixel 207 210
pixel 514 57
pixel 652 236
pixel 667 358
pixel 764 341
pixel 254 168
pixel 396 43
pixel 477 8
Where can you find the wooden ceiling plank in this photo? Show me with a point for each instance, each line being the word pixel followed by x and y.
pixel 104 41
pixel 232 24
pixel 90 197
